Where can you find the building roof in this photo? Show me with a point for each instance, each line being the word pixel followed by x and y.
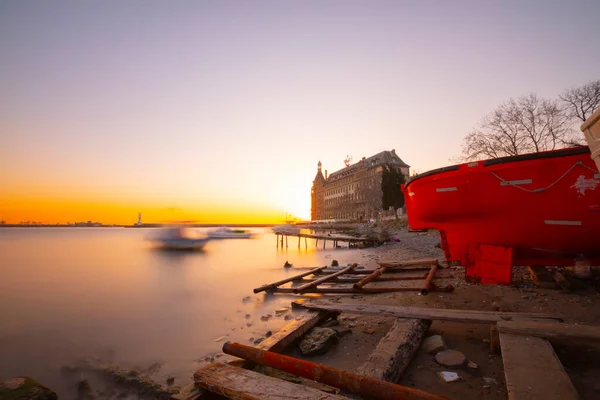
pixel 383 158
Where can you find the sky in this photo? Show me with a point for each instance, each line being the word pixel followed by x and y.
pixel 219 111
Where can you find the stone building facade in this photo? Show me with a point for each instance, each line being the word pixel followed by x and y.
pixel 353 192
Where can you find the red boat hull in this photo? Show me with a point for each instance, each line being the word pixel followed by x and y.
pixel 535 209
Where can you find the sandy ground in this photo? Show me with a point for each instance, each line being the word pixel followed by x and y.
pixel 581 363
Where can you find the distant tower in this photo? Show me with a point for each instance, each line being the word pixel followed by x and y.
pixel 139 223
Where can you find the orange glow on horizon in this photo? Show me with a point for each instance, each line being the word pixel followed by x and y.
pixel 52 211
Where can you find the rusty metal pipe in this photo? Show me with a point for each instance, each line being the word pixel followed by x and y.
pixel 364 386
pixel 367 279
pixel 429 280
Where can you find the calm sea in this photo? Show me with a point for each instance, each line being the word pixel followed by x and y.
pixel 71 293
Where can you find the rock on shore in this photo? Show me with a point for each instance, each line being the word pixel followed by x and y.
pixel 25 388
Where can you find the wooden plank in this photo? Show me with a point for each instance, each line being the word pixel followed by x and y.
pixel 292 331
pixel 343 290
pixel 395 350
pixel 533 371
pixel 286 280
pixel 353 279
pixel 407 264
pixel 242 384
pixel 305 287
pixel 277 342
pixel 564 283
pixel 481 317
pixel 551 330
pixel 370 271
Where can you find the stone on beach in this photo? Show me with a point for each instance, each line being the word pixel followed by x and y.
pixel 450 358
pixel 317 341
pixel 25 388
pixel 433 344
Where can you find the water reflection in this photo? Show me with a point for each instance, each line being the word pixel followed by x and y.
pixel 71 293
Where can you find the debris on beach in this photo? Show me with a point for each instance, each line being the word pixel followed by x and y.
pixel 448 376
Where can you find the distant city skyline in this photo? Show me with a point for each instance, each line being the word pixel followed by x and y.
pixel 219 112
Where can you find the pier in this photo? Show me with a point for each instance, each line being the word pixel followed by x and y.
pixel 323 237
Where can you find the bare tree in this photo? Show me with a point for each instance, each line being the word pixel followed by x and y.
pixel 527 124
pixel 582 101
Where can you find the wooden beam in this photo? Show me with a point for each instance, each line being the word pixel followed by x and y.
pixel 305 287
pixel 286 280
pixel 344 290
pixel 533 371
pixel 242 384
pixel 551 330
pixel 422 262
pixel 395 350
pixel 277 342
pixel 292 331
pixel 353 279
pixel 347 381
pixel 482 317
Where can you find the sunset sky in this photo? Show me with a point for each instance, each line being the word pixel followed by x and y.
pixel 218 111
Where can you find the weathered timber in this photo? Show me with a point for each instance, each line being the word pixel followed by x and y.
pixel 495 339
pixel 292 331
pixel 421 263
pixel 347 381
pixel 533 371
pixel 551 330
pixel 343 290
pixel 277 342
pixel 275 373
pixel 427 285
pixel 396 350
pixel 564 283
pixel 482 317
pixel 370 271
pixel 242 384
pixel 367 279
pixel 354 279
pixel 273 285
pixel 305 287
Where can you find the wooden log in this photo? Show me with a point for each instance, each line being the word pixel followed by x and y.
pixel 242 384
pixel 495 339
pixel 354 279
pixel 367 279
pixel 533 371
pixel 344 290
pixel 427 285
pixel 551 330
pixel 481 317
pixel 315 283
pixel 286 280
pixel 292 331
pixel 344 380
pixel 395 350
pixel 370 271
pixel 277 342
pixel 422 262
pixel 564 283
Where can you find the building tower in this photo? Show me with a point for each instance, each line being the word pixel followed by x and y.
pixel 139 223
pixel 316 195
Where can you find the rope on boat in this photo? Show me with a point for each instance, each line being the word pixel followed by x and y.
pixel 508 183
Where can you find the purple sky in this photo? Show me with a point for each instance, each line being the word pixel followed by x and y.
pixel 188 103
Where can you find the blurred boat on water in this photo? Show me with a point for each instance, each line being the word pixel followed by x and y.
pixel 177 238
pixel 229 233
